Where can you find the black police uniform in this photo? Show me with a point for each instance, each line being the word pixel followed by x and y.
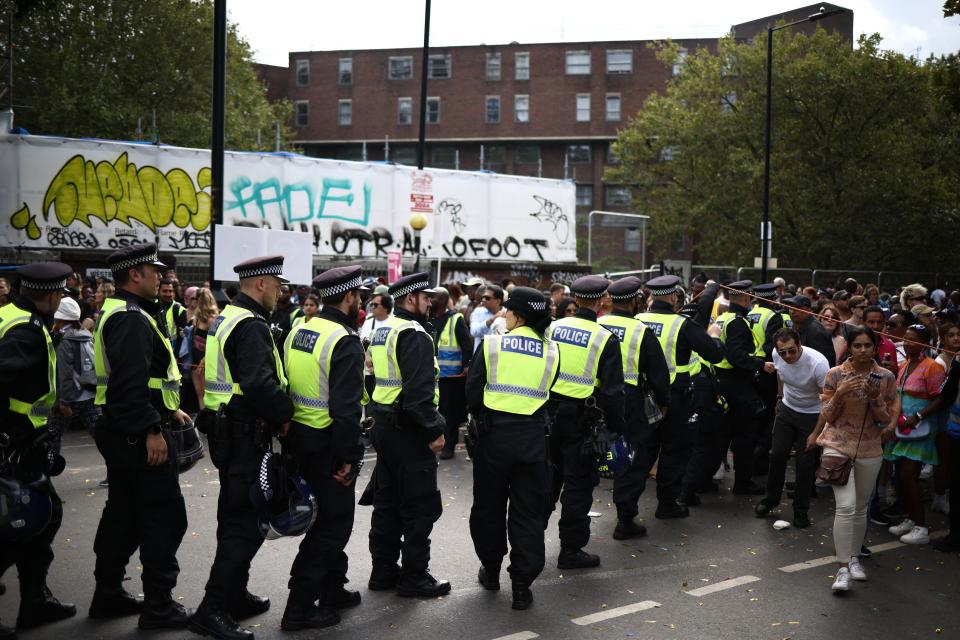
pixel 510 463
pixel 320 568
pixel 453 399
pixel 575 472
pixel 24 376
pixel 144 505
pixel 237 443
pixel 767 382
pixel 406 500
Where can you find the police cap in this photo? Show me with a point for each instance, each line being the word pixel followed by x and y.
pixel 44 276
pixel 625 288
pixel 766 291
pixel 261 266
pixel 413 283
pixel 338 280
pixel 591 286
pixel 527 301
pixel 741 286
pixel 663 285
pixel 134 256
pixel 802 302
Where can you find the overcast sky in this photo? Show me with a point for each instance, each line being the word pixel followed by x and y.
pixel 277 27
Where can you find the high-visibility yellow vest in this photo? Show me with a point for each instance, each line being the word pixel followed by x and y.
pixel 520 368
pixel 218 385
pixel 759 318
pixel 170 319
pixel 787 320
pixel 37 411
pixel 168 386
pixel 724 322
pixel 449 355
pixel 630 331
pixel 667 326
pixel 383 354
pixel 580 343
pixel 306 355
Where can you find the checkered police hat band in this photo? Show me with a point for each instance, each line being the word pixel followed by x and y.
pixel 43 286
pixel 413 287
pixel 255 272
pixel 537 305
pixel 134 261
pixel 625 296
pixel 343 287
pixel 587 296
pixel 765 294
pixel 663 291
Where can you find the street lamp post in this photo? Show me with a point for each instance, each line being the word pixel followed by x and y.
pixel 765 226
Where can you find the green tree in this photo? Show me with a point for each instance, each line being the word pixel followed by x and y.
pixel 94 69
pixel 864 170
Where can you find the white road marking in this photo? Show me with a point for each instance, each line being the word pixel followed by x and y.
pixel 599 616
pixel 721 586
pixel 520 635
pixel 878 548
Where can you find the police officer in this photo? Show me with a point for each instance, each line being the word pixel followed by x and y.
pixel 644 368
pixel 407 433
pixel 324 361
pixel 765 321
pixel 454 351
pixel 27 392
pixel 507 389
pixel 245 388
pixel 138 386
pixel 738 374
pixel 173 313
pixel 591 368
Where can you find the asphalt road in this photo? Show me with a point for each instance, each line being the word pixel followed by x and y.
pixel 718 574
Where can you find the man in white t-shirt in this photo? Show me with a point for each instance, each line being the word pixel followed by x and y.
pixel 800 375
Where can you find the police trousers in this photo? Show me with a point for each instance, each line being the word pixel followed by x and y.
pixel 742 426
pixel 453 408
pixel 321 564
pixel 510 493
pixel 406 500
pixel 144 509
pixel 238 531
pixel 33 557
pixel 709 424
pixel 574 474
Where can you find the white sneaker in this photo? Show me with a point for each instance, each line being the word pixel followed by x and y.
pixel 842 581
pixel 917 535
pixel 926 471
pixel 856 569
pixel 718 476
pixel 902 528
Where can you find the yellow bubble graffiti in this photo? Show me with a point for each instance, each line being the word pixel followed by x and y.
pixel 23 220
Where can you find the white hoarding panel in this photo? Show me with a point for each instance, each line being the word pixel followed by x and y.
pixel 236 244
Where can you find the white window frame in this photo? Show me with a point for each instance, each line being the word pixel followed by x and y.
pixel 521 71
pixel 585 187
pixel 622 68
pixel 494 66
pixel 616 188
pixel 577 68
pixel 429 100
pixel 302 65
pixel 521 114
pixel 447 58
pixel 583 113
pixel 341 120
pixel 409 102
pixel 348 68
pixel 570 158
pixel 306 114
pixel 486 109
pixel 610 115
pixel 399 59
pixel 679 63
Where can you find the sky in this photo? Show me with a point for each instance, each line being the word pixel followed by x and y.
pixel 274 28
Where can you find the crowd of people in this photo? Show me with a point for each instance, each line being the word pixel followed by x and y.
pixel 545 387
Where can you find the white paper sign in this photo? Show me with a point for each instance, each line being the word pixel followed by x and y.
pixel 236 244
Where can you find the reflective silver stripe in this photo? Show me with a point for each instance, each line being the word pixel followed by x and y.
pixel 513 389
pixel 493 358
pixel 39 411
pixel 314 403
pixel 552 354
pixel 567 377
pixel 221 330
pixel 388 382
pixel 631 371
pixel 593 355
pixel 219 387
pixel 324 382
pixel 670 349
pixel 392 370
pixel 631 377
pixel 165 385
pixel 103 380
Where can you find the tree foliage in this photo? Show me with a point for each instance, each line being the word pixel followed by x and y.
pixel 864 166
pixel 92 69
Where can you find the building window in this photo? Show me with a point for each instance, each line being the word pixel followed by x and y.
pixel 302 110
pixel 405 155
pixel 612 157
pixel 578 63
pixel 404 110
pixel 521 63
pixel 353 152
pixel 632 240
pixel 578 154
pixel 439 66
pixel 667 154
pixel 729 101
pixel 493 66
pixel 521 108
pixel 345 113
pixel 443 157
pixel 303 73
pixel 583 107
pixel 345 71
pixel 679 62
pixel 433 110
pixel 494 157
pixel 493 109
pixel 528 154
pixel 584 195
pixel 616 195
pixel 619 61
pixel 400 67
pixel 613 107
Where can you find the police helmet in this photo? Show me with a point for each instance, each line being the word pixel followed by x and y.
pixel 189 445
pixel 298 514
pixel 615 460
pixel 25 508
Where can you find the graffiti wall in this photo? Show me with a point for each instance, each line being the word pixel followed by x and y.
pixel 75 194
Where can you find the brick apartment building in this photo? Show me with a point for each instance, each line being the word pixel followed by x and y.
pixel 549 110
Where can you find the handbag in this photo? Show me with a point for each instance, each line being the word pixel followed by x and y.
pixel 835 468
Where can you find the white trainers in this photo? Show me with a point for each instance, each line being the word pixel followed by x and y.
pixel 718 476
pixel 926 471
pixel 902 528
pixel 917 535
pixel 856 569
pixel 941 503
pixel 842 581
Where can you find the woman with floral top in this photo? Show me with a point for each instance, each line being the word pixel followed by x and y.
pixel 858 402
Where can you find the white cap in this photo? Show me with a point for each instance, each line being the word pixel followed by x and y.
pixel 68 310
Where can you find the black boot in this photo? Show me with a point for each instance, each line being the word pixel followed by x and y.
pixel 627 529
pixel 577 559
pixel 161 611
pixel 113 603
pixel 384 577
pixel 762 510
pixel 489 578
pixel 690 499
pixel 301 613
pixel 340 598
pixel 423 585
pixel 522 597
pixel 667 510
pixel 801 520
pixel 209 621
pixel 748 489
pixel 41 609
pixel 249 606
